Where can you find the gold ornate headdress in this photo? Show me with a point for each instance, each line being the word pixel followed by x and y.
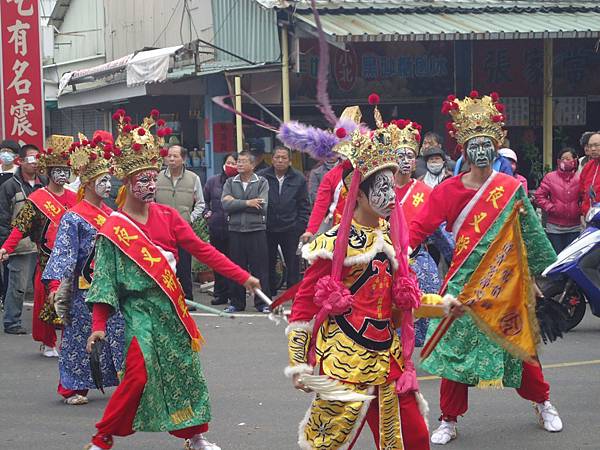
pixel 372 151
pixel 57 153
pixel 90 159
pixel 475 117
pixel 136 148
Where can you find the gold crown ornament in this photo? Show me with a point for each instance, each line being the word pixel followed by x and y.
pixel 136 148
pixel 90 159
pixel 371 151
pixel 56 154
pixel 475 117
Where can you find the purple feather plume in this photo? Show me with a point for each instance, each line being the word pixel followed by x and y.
pixel 314 141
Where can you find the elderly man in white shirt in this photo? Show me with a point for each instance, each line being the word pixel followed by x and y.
pixel 181 189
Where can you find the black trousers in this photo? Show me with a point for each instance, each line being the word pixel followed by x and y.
pixel 184 273
pixel 560 241
pixel 222 285
pixel 249 251
pixel 288 241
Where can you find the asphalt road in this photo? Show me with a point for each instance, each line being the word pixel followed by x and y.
pixel 255 407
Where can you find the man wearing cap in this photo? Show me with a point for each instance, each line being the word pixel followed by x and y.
pixel 21 264
pixel 513 160
pixel 9 150
pixel 435 160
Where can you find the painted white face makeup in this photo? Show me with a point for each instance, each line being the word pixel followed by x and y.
pixel 143 185
pixel 102 186
pixel 60 175
pixel 481 151
pixel 407 160
pixel 381 194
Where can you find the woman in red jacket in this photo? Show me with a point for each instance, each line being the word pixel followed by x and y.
pixel 558 196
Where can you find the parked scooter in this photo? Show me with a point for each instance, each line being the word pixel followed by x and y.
pixel 574 279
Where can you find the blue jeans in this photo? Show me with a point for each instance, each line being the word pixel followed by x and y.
pixel 20 275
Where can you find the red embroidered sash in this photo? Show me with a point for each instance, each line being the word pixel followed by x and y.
pixel 48 204
pixel 95 217
pixel 478 217
pixel 53 210
pixel 414 199
pixel 132 241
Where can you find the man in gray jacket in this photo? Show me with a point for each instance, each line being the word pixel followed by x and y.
pixel 245 199
pixel 21 263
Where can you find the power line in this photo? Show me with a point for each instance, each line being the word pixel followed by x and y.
pixel 167 25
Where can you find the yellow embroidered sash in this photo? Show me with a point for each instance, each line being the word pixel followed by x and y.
pixel 132 241
pixel 477 217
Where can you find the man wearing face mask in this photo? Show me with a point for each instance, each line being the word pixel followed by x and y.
pixel 39 219
pixel 435 159
pixel 163 388
pixel 21 264
pixel 69 272
pixel 558 196
pixel 483 207
pixel 8 153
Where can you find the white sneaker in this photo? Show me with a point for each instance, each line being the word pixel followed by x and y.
pixel 444 434
pixel 199 442
pixel 91 447
pixel 548 417
pixel 49 352
pixel 76 399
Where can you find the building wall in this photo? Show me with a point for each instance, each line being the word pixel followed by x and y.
pixel 81 34
pixel 134 24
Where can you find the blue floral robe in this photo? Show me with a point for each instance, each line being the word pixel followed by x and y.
pixel 74 244
pixel 427 273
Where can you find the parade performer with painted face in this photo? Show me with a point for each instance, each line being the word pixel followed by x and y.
pixel 163 388
pixel 39 220
pixel 412 195
pixel 499 241
pixel 69 272
pixel 342 322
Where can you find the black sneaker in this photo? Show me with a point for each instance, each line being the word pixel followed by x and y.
pixel 16 330
pixel 219 301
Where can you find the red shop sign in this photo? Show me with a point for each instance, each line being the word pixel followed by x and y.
pixel 21 101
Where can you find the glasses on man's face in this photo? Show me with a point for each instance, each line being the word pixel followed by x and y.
pixel 594 146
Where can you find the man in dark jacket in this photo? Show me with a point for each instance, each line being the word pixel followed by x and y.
pixel 21 263
pixel 287 215
pixel 245 200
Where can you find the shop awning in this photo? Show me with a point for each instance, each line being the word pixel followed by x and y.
pixel 348 21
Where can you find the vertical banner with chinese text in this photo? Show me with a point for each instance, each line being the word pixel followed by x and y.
pixel 22 103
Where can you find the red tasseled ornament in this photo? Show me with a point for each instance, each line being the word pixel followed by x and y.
pixel 85 142
pixel 446 107
pixel 450 126
pixel 136 147
pixel 141 131
pixel 93 156
pixel 418 137
pixel 454 106
pixel 154 113
pixel 497 118
pixel 160 123
pixel 451 97
pixel 374 99
pixel 127 119
pixel 164 152
pixel 106 155
pixel 93 144
pixel 160 132
pixel 108 147
pixel 500 107
pixel 168 131
pixel 417 126
pixel 402 124
pixel 117 151
pixel 49 151
pixel 495 96
pixel 127 128
pixel 341 133
pixel 474 94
